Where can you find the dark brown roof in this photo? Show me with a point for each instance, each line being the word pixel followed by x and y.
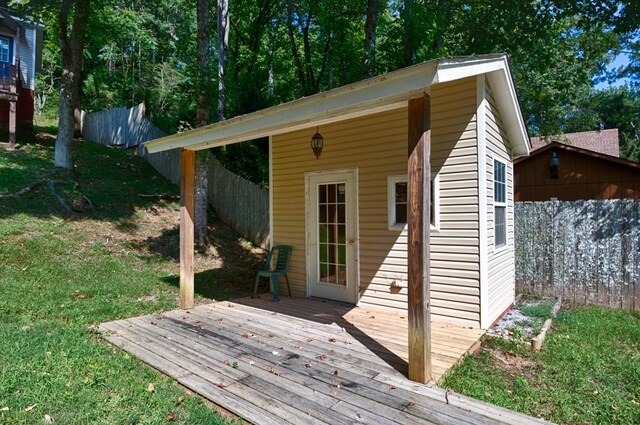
pixel 601 141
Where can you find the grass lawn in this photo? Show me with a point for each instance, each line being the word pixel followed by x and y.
pixel 588 371
pixel 60 274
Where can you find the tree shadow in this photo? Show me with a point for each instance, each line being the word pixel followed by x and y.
pixel 111 178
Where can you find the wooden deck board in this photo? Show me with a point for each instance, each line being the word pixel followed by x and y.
pixel 304 361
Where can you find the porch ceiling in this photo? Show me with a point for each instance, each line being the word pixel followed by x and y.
pixel 385 92
pixel 302 361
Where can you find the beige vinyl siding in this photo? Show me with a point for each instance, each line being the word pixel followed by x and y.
pixel 501 269
pixel 377 146
pixel 455 293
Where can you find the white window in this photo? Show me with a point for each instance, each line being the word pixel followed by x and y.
pixel 398 196
pixel 499 203
pixel 4 49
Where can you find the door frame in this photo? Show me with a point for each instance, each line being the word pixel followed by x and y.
pixel 308 226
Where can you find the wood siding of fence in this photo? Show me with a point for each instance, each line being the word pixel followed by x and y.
pixel 126 127
pixel 584 251
pixel 239 203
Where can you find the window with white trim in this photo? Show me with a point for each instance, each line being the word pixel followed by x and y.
pixel 398 196
pixel 499 203
pixel 4 49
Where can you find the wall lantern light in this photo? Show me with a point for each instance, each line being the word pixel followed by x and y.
pixel 554 164
pixel 317 143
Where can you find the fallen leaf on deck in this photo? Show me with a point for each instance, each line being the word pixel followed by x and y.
pixel 151 388
pixel 30 408
pixel 226 361
pixel 272 370
pixel 272 335
pixel 392 387
pixel 321 357
pixel 221 385
pixel 332 340
pixel 309 339
pixel 335 372
pixel 251 363
pixel 307 365
pixel 235 365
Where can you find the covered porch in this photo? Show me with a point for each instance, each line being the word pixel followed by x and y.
pixel 305 361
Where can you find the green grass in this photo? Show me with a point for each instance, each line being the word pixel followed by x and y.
pixel 60 274
pixel 588 371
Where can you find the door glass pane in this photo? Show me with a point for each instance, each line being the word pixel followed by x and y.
pixel 332 231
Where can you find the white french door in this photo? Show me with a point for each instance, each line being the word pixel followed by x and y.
pixel 332 235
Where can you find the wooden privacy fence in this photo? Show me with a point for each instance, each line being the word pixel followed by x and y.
pixel 239 203
pixel 126 127
pixel 584 251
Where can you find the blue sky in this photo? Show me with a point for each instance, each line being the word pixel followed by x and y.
pixel 620 60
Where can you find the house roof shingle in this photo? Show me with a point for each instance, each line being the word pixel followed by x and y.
pixel 601 141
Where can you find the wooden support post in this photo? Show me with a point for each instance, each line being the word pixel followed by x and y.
pixel 187 207
pixel 419 175
pixel 12 124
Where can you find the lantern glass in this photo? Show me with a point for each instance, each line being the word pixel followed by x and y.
pixel 317 143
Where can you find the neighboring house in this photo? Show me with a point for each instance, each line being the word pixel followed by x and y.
pixel 346 212
pixel 575 173
pixel 20 59
pixel 601 141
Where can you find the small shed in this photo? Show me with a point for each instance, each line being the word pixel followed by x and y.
pixel 577 173
pixel 409 203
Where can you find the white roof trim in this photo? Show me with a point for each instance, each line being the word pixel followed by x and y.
pixel 385 92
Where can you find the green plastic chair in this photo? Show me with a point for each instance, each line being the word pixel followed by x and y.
pixel 273 269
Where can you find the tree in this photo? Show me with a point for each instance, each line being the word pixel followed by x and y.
pixel 71 47
pixel 616 107
pixel 203 92
pixel 370 38
pixel 222 16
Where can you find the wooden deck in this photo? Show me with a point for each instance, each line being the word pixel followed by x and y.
pixel 304 361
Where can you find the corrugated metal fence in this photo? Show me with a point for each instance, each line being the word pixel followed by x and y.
pixel 241 204
pixel 585 251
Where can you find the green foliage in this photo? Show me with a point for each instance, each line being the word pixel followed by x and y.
pixel 146 51
pixel 616 107
pixel 587 372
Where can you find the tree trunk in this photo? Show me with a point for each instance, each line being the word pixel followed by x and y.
pixel 72 54
pixel 370 26
pixel 443 17
pixel 203 88
pixel 223 45
pixel 407 41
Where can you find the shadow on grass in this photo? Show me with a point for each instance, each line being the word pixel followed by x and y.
pixel 225 269
pixel 110 177
pixel 113 180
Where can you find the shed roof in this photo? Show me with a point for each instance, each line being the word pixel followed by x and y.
pixel 601 141
pixel 381 93
pixel 582 151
